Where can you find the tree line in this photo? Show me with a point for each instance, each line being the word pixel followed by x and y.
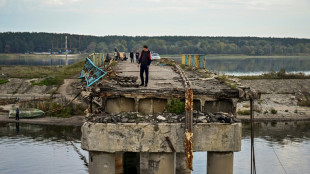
pixel 26 42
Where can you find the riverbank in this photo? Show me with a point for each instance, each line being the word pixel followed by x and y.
pixel 72 121
pixel 281 99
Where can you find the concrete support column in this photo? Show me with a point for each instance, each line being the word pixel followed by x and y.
pixel 91 105
pixel 234 107
pixel 101 163
pixel 119 163
pixel 104 103
pixel 202 105
pixel 220 163
pixel 152 106
pixel 137 104
pixel 157 163
pixel 181 164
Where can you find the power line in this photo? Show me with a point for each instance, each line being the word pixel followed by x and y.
pixel 278 159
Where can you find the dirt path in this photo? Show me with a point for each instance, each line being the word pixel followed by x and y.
pixel 68 91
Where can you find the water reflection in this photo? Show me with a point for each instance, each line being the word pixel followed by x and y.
pixel 27 148
pixel 56 149
pixel 256 65
pixel 40 60
pixel 279 132
pixel 290 141
pixel 17 127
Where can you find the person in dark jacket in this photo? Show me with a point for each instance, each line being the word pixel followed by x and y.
pixel 137 56
pixel 17 114
pixel 144 64
pixel 131 57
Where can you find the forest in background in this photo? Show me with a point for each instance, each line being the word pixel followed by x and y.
pixel 28 42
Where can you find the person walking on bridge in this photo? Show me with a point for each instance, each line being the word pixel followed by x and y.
pixel 144 64
pixel 131 57
pixel 137 56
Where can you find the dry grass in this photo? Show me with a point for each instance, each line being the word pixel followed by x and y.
pixel 54 74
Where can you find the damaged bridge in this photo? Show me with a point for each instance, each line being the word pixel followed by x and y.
pixel 128 128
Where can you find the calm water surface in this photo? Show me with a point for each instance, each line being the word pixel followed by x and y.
pixel 40 60
pixel 29 148
pixel 41 149
pixel 234 65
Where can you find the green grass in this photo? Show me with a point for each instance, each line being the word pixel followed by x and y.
pixel 234 56
pixel 3 81
pixel 244 112
pixel 273 111
pixel 175 105
pixel 282 74
pixel 52 75
pixel 47 82
pixel 55 109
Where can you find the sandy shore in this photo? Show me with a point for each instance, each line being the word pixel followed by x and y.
pixel 72 121
pixel 261 118
pixel 280 95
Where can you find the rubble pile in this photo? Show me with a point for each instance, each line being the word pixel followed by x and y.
pixel 135 117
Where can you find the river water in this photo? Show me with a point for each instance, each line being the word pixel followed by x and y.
pixel 255 65
pixel 40 60
pixel 280 147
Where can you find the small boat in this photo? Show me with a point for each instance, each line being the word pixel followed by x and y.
pixel 26 113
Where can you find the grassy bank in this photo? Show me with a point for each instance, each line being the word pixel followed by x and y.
pixel 282 74
pixel 53 75
pixel 236 56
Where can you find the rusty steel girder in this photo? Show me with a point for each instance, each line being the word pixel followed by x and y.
pixel 189 105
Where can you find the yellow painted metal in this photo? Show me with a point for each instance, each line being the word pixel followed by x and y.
pixel 196 60
pixel 103 58
pixel 93 57
pixel 97 59
pixel 183 59
pixel 204 65
pixel 189 59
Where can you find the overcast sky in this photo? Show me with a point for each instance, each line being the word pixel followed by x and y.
pixel 267 18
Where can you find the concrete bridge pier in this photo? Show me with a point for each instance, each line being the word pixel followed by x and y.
pixel 101 162
pixel 157 163
pixel 181 164
pixel 144 147
pixel 220 163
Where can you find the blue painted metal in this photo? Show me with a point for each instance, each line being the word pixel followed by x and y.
pixel 193 60
pixel 186 59
pixel 91 72
pixel 201 60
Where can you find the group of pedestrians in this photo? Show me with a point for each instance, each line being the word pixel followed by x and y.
pixel 131 55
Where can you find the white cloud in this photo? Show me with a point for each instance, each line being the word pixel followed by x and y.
pixel 60 2
pixel 3 3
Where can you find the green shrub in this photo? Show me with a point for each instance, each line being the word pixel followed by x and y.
pixel 175 105
pixel 244 112
pixel 182 66
pixel 3 81
pixel 47 82
pixel 273 111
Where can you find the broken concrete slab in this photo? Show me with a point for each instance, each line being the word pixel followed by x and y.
pixel 146 137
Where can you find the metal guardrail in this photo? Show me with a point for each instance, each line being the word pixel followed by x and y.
pixel 97 59
pixel 194 60
pixel 91 72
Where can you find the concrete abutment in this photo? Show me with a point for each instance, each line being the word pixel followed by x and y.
pixel 220 163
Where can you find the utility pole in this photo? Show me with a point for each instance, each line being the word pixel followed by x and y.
pixel 66 50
